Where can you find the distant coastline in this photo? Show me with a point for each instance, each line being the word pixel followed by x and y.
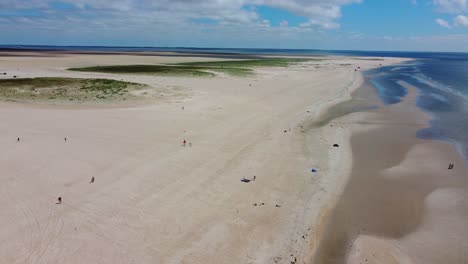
pixel 227 52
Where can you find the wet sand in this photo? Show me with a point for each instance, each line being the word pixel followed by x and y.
pixel 401 204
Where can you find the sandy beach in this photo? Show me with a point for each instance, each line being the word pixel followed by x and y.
pixel 156 201
pixel 234 132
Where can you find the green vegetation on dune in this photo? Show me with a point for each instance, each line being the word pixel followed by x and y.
pixel 205 68
pixel 271 62
pixel 146 69
pixel 65 89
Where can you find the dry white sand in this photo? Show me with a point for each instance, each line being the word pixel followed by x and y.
pixel 155 201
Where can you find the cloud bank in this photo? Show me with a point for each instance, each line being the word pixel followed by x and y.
pixel 321 13
pixel 451 6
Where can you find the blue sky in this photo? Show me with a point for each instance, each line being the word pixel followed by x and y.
pixel 425 25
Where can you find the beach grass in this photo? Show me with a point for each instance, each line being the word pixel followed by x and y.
pixel 147 69
pixel 270 62
pixel 65 89
pixel 197 69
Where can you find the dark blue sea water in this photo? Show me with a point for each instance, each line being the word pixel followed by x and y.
pixel 442 82
pixel 442 79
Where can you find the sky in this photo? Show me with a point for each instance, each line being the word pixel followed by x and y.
pixel 400 25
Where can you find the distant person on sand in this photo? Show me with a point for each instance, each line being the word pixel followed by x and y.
pixel 184 143
pixel 65 139
pixel 92 180
pixel 59 200
pixel 18 140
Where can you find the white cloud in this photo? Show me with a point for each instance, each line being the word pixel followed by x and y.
pixel 266 23
pixel 443 23
pixel 322 13
pixel 356 36
pixel 451 6
pixel 461 21
pixel 284 23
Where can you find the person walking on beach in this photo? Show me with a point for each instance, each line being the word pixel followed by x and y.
pixel 92 180
pixel 59 200
pixel 184 143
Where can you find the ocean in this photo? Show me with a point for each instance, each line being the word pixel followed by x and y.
pixel 442 83
pixel 441 78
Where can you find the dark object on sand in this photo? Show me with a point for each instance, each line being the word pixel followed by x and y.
pixel 4 73
pixel 92 180
pixel 254 178
pixel 277 206
pixel 245 180
pixel 336 145
pixel 314 170
pixel 14 76
pixel 59 200
pixel 65 139
pixel 18 140
pixel 451 165
pixel 285 131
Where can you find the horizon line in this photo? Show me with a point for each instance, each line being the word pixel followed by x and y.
pixel 221 48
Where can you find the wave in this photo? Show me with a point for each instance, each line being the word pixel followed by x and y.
pixel 424 79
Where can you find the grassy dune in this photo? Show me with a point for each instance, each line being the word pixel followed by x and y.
pixel 273 62
pixel 234 67
pixel 66 89
pixel 146 69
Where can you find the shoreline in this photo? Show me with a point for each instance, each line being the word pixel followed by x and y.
pixel 161 201
pixel 372 219
pixel 339 161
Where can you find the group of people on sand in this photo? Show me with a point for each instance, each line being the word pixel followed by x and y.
pixel 19 139
pixel 59 199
